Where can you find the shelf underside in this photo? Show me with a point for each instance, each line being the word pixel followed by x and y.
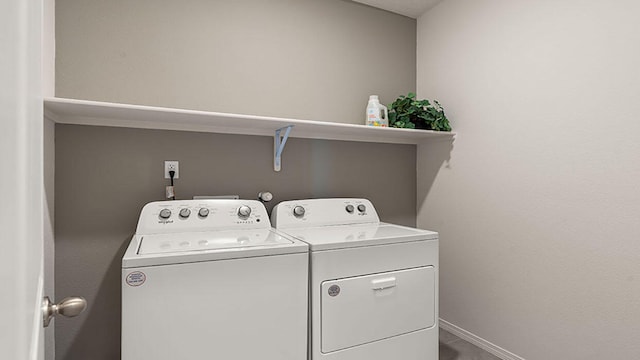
pixel 83 112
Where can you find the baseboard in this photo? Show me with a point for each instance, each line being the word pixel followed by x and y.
pixel 478 341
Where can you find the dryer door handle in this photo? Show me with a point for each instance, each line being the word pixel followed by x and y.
pixel 384 283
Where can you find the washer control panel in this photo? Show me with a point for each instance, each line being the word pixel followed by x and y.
pixel 202 215
pixel 319 212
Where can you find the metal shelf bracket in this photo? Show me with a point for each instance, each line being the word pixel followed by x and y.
pixel 278 145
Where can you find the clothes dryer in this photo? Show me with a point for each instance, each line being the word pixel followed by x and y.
pixel 210 279
pixel 373 285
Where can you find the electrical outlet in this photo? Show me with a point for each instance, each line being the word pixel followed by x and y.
pixel 171 166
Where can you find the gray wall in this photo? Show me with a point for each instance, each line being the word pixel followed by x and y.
pixel 48 228
pixel 539 206
pixel 105 175
pixel 306 59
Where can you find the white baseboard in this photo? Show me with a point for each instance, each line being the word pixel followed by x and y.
pixel 478 341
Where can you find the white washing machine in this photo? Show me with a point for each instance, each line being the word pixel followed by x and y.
pixel 373 286
pixel 210 279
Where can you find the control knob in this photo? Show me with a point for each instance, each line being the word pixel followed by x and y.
pixel 244 211
pixel 165 213
pixel 203 212
pixel 349 209
pixel 184 213
pixel 362 208
pixel 298 211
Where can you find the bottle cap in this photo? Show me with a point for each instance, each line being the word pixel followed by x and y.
pixel 373 97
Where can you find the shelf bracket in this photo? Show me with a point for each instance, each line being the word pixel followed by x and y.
pixel 278 145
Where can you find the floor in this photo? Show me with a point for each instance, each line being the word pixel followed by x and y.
pixel 454 348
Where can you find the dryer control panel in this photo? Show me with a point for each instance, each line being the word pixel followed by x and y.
pixel 163 217
pixel 323 212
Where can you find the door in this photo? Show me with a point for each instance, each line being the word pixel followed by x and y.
pixel 21 180
pixel 368 308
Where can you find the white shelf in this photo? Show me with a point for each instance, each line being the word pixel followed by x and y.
pixel 83 112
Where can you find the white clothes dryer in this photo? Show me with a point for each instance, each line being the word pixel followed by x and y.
pixel 373 285
pixel 210 279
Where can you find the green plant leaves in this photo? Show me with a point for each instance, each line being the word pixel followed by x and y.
pixel 409 113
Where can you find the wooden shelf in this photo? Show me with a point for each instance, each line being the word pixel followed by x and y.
pixel 83 112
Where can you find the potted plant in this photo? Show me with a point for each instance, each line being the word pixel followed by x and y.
pixel 411 113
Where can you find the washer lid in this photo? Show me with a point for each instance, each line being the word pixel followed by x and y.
pixel 203 241
pixel 349 236
pixel 162 249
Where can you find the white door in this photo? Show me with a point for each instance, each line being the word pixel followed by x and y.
pixel 363 309
pixel 21 180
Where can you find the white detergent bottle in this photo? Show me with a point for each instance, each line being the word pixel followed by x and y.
pixel 377 114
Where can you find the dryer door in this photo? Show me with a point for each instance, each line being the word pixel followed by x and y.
pixel 363 309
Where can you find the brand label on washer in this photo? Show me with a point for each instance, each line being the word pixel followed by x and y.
pixel 136 278
pixel 334 290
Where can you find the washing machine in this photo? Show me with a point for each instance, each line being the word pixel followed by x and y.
pixel 210 279
pixel 373 285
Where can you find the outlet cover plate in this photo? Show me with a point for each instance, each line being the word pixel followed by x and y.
pixel 171 165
